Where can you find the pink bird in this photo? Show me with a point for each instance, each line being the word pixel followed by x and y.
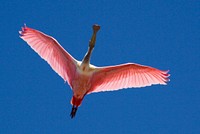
pixel 85 78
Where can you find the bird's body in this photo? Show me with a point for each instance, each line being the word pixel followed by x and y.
pixel 85 78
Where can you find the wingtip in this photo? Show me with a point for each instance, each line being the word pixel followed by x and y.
pixel 23 29
pixel 20 33
pixel 165 75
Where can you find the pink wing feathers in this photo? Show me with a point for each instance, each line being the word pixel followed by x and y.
pixel 126 76
pixel 50 50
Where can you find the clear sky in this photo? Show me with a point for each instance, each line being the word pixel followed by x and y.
pixel 160 33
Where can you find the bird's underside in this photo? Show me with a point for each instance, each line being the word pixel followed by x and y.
pixel 85 78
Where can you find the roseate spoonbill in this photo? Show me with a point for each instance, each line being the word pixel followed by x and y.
pixel 85 78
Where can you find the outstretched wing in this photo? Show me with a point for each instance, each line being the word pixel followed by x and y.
pixel 126 76
pixel 51 51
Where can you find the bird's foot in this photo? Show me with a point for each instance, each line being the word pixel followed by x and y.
pixel 73 112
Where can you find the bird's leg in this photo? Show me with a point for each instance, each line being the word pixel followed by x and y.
pixel 86 59
pixel 73 112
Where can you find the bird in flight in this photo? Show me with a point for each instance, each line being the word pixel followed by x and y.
pixel 85 78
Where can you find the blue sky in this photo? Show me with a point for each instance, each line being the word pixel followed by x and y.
pixel 161 33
